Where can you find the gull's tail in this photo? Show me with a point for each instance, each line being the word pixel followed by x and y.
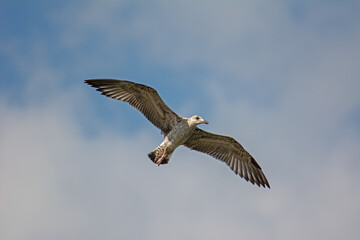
pixel 156 154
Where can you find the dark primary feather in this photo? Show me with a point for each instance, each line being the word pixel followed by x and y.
pixel 143 98
pixel 229 151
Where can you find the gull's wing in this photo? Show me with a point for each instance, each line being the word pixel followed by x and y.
pixel 143 98
pixel 229 151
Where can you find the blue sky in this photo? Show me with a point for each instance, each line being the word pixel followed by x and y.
pixel 282 77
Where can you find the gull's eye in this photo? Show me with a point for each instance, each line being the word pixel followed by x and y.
pixel 197 118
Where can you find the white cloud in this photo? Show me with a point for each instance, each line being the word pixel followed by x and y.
pixel 57 183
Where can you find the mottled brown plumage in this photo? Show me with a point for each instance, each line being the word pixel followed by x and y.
pixel 143 98
pixel 229 151
pixel 178 130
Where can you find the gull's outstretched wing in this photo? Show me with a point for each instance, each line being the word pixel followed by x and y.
pixel 143 98
pixel 229 151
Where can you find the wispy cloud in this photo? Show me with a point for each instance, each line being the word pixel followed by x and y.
pixel 280 78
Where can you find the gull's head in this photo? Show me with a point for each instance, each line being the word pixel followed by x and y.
pixel 196 120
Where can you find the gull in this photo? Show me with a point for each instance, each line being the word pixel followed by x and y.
pixel 179 130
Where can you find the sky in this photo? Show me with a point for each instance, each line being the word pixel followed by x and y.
pixel 281 77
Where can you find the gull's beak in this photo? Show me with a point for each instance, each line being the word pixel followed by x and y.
pixel 206 122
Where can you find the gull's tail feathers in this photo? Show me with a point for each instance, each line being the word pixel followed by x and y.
pixel 157 153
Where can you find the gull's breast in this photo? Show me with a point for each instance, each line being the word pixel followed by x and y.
pixel 178 135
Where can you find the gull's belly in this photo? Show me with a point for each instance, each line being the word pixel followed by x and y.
pixel 177 136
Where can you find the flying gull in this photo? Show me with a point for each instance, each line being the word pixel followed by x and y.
pixel 179 130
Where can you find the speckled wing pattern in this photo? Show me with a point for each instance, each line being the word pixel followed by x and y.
pixel 143 98
pixel 229 151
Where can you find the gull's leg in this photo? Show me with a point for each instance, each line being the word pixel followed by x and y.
pixel 158 162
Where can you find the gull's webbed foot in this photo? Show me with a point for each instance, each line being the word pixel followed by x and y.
pixel 158 162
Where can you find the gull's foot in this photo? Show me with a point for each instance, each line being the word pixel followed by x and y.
pixel 158 162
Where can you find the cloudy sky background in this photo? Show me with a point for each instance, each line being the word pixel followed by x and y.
pixel 282 77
